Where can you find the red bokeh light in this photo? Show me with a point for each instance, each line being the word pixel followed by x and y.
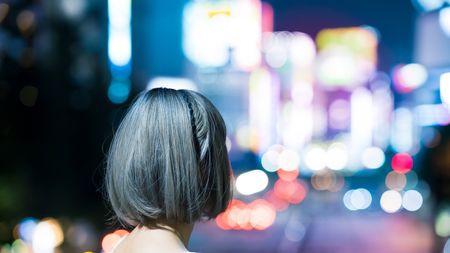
pixel 278 203
pixel 263 214
pixel 292 191
pixel 259 215
pixel 402 163
pixel 121 232
pixel 287 175
pixel 109 242
pixel 112 239
pixel 221 221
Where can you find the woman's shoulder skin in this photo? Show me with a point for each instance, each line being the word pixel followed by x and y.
pixel 143 240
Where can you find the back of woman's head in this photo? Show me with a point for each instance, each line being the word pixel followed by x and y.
pixel 168 162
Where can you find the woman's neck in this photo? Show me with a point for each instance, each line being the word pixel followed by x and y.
pixel 179 233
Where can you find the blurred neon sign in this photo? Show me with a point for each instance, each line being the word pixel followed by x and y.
pixel 347 56
pixel 221 32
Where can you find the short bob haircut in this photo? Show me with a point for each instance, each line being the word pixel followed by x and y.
pixel 168 163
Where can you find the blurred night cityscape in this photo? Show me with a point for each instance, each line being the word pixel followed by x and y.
pixel 337 115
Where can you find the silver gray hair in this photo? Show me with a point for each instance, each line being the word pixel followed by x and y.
pixel 168 162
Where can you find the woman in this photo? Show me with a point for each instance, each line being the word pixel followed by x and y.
pixel 167 168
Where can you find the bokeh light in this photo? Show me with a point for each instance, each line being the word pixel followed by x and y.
pixel 442 223
pixel 412 200
pixel 337 156
pixel 372 158
pixel 269 160
pixel 251 182
pixel 110 240
pixel 19 246
pixel 119 41
pixel 276 56
pixel 47 235
pixel 121 232
pixel 409 77
pixel 73 9
pixel 402 131
pixel 263 88
pixel 362 118
pixel 26 21
pixel 346 56
pixel 4 10
pixel 288 160
pixel 259 215
pixel 262 214
pixel 119 49
pixel 287 175
pixel 325 180
pixel 244 136
pixel 293 192
pixel 339 114
pixel 119 91
pixel 402 162
pixel 82 235
pixel 444 20
pixel 432 115
pixel 391 201
pixel 26 229
pixel 314 158
pixel 361 198
pixel 278 203
pixel 395 181
pixel 347 201
pixel 358 199
pixel 428 5
pixel 302 49
pixel 302 94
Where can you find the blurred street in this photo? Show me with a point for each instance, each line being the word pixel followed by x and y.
pixel 304 230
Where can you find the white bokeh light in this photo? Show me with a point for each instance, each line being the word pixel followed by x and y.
pixel 412 200
pixel 269 160
pixel 45 238
pixel 251 182
pixel 413 75
pixel 444 20
pixel 288 160
pixel 337 156
pixel 314 158
pixel 361 198
pixel 347 201
pixel 276 56
pixel 358 199
pixel 373 158
pixel 391 201
pixel 428 5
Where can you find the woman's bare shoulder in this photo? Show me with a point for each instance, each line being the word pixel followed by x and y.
pixel 125 245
